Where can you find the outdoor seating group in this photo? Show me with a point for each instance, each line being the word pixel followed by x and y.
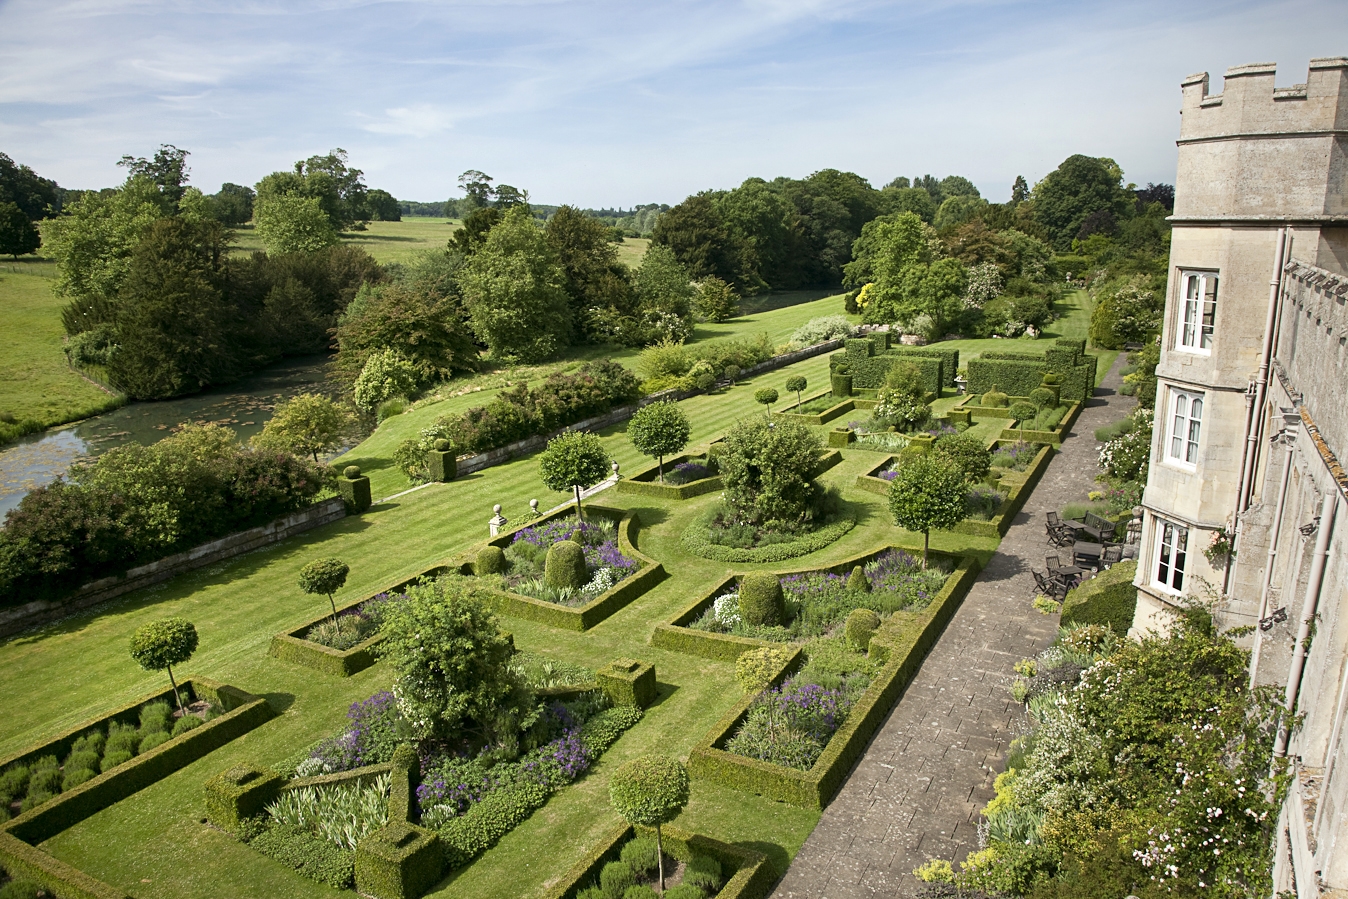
pixel 1092 546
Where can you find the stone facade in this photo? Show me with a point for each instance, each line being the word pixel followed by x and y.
pixel 1256 331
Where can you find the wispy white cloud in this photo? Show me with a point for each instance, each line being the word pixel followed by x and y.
pixel 602 102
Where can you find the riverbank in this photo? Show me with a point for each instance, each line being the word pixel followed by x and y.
pixel 37 385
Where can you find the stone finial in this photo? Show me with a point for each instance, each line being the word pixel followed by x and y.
pixel 615 471
pixel 497 521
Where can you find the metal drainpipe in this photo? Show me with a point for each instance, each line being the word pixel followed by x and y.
pixel 1272 556
pixel 1333 741
pixel 1308 611
pixel 1256 403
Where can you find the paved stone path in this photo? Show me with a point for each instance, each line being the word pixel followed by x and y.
pixel 917 791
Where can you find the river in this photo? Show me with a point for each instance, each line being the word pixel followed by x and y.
pixel 245 406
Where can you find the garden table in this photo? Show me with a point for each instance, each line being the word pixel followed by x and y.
pixel 1084 551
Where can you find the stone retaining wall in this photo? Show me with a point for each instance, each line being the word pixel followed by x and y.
pixel 20 618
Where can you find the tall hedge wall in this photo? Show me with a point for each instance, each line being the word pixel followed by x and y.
pixel 1017 373
pixel 868 372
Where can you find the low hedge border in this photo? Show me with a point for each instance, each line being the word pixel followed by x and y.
pixel 752 878
pixel 695 540
pixel 819 418
pixel 643 483
pixel 871 481
pixel 676 635
pixel 900 645
pixel 292 646
pixel 580 618
pixel 19 838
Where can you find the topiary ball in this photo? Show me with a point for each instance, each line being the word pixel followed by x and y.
pixel 858 581
pixel 1043 397
pixel 490 560
pixel 1023 410
pixel 442 445
pixel 565 566
pixel 1051 379
pixel 761 600
pixel 860 627
pixel 351 472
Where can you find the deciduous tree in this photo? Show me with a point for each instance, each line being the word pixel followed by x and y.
pixel 325 577
pixel 160 645
pixel 574 461
pixel 926 494
pixel 650 791
pixel 307 424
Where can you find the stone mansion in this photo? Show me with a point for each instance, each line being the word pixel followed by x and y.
pixel 1251 425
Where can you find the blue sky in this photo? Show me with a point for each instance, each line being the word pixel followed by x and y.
pixel 618 103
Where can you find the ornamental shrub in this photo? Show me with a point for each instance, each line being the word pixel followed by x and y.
pixel 1043 398
pixel 639 855
pixel 928 492
pixel 861 626
pixel 641 891
pixel 796 384
pixel 768 473
pixel 704 873
pixel 995 398
pixel 761 601
pixel 351 472
pixel 386 374
pixel 820 330
pixel 574 461
pixel 1023 411
pixel 451 663
pixel 858 581
pixel 490 560
pixel 766 396
pixel 565 566
pixel 614 879
pixel 650 791
pixel 659 430
pixel 160 645
pixel 756 668
pixel 324 576
pixel 966 452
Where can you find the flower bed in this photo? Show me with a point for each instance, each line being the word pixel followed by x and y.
pixel 745 874
pixel 296 645
pixel 683 479
pixel 20 854
pixel 338 794
pixel 1052 436
pixel 635 572
pixel 897 648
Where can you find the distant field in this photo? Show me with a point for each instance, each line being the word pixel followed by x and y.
pixel 35 381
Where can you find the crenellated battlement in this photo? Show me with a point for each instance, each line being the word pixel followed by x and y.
pixel 1251 104
pixel 1258 152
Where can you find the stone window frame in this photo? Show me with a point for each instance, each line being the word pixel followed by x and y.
pixel 1184 430
pixel 1170 560
pixel 1196 322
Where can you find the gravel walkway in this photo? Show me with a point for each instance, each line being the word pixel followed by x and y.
pixel 917 791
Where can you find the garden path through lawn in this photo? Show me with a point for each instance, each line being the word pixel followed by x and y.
pixel 917 792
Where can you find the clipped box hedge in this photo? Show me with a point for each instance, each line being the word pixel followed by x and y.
pixel 645 483
pixel 1019 373
pixel 291 646
pixel 19 838
pixel 1109 598
pixel 579 618
pixel 900 645
pixel 748 874
pixel 837 410
pixel 871 481
pixel 869 372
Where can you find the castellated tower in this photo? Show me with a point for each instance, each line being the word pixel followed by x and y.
pixel 1252 419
